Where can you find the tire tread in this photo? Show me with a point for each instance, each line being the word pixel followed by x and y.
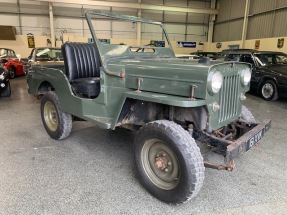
pixel 188 147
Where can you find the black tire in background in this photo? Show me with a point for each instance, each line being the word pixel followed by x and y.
pixel 57 123
pixel 6 91
pixel 268 90
pixel 12 72
pixel 166 142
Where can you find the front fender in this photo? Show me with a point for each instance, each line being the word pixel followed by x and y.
pixel 170 100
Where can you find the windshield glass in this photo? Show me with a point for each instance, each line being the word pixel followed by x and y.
pixel 268 59
pixel 7 53
pixel 49 54
pixel 121 36
pixel 119 31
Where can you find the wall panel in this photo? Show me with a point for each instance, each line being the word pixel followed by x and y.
pixel 153 16
pixel 197 33
pixel 198 18
pixel 224 10
pixel 235 30
pixel 260 26
pixel 220 32
pixel 174 17
pixel 258 6
pixel 281 3
pixel 280 25
pixel 38 26
pixel 237 9
pixel 12 20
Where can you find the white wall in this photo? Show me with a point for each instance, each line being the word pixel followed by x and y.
pixel 20 45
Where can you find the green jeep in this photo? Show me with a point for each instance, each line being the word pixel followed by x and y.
pixel 170 102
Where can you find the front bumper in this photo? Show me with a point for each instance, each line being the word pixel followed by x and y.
pixel 232 149
pixel 247 141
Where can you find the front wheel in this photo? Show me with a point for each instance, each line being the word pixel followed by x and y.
pixel 168 161
pixel 268 90
pixel 57 123
pixel 12 72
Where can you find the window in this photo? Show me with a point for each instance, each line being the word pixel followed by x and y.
pixel 247 58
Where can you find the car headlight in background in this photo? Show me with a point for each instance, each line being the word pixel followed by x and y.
pixel 215 81
pixel 245 76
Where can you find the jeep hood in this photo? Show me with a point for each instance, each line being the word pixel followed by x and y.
pixel 164 75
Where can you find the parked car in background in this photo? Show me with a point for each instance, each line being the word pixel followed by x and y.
pixel 269 71
pixel 5 89
pixel 211 55
pixel 45 56
pixel 12 63
pixel 187 56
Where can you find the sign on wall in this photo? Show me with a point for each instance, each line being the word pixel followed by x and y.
pixel 186 44
pixel 218 45
pixel 31 40
pixel 257 44
pixel 106 41
pixel 280 43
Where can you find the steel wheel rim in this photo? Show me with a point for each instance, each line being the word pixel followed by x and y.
pixel 51 116
pixel 267 90
pixel 153 152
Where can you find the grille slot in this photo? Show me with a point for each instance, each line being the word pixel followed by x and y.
pixel 229 97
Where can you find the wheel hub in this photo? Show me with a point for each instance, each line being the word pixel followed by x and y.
pixel 160 164
pixel 50 116
pixel 267 90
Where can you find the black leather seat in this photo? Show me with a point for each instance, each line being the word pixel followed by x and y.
pixel 82 66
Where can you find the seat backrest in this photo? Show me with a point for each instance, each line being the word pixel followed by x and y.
pixel 81 60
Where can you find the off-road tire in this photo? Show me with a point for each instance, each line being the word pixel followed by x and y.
pixel 6 91
pixel 190 161
pixel 12 72
pixel 64 120
pixel 246 115
pixel 273 96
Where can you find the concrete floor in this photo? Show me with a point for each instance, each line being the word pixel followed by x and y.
pixel 91 172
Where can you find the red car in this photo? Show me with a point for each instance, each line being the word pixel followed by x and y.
pixel 11 62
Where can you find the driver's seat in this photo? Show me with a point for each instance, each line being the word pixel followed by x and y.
pixel 82 67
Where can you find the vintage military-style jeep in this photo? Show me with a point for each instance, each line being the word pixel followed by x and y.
pixel 169 102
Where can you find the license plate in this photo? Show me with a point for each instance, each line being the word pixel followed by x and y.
pixel 256 137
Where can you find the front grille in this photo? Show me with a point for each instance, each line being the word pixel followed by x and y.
pixel 229 97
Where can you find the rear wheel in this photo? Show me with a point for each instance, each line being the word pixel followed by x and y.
pixel 7 90
pixel 12 72
pixel 268 90
pixel 168 161
pixel 57 123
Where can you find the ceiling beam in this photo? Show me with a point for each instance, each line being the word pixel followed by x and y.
pixel 139 6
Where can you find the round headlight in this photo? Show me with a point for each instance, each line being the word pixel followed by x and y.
pixel 215 80
pixel 245 76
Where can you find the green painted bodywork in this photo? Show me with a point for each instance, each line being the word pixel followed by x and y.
pixel 163 80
